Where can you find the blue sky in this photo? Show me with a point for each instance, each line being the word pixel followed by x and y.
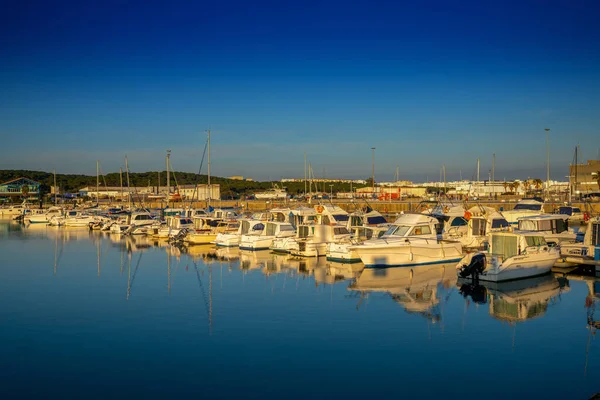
pixel 426 83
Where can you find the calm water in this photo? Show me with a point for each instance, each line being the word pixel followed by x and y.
pixel 84 314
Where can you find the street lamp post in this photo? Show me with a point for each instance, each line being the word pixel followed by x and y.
pixel 373 169
pixel 547 161
pixel 330 192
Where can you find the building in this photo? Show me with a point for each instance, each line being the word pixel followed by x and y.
pixel 19 188
pixel 584 178
pixel 200 192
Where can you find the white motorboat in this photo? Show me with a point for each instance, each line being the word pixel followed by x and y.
pixel 511 255
pixel 273 230
pixel 480 222
pixel 15 210
pixel 362 226
pixel 45 217
pixel 174 226
pixel 207 234
pixel 524 208
pixel 297 216
pixel 410 241
pixel 274 193
pixel 575 215
pixel 246 226
pixel 341 250
pixel 312 240
pixel 554 227
pixel 128 222
pixel 586 253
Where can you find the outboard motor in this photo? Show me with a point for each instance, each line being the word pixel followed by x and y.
pixel 475 267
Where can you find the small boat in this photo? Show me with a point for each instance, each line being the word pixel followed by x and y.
pixel 586 253
pixel 575 215
pixel 554 227
pixel 175 226
pixel 524 208
pixel 274 193
pixel 245 227
pixel 312 240
pixel 363 225
pixel 130 221
pixel 412 240
pixel 511 255
pixel 45 217
pixel 273 230
pixel 481 221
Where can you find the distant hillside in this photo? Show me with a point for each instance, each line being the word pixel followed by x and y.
pixel 229 187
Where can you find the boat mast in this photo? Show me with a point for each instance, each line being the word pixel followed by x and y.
pixel 128 186
pixel 97 182
pixel 305 175
pixel 55 190
pixel 121 182
pixel 547 162
pixel 168 175
pixel 209 188
pixel 493 173
pixel 576 151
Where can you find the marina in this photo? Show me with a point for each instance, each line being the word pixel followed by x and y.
pixel 136 306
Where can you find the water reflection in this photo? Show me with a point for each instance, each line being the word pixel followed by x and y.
pixel 418 290
pixel 336 272
pixel 518 300
pixel 140 299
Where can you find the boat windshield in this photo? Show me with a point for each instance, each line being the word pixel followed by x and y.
pixel 341 217
pixel 529 207
pixel 499 223
pixel 376 220
pixel 566 210
pixel 397 230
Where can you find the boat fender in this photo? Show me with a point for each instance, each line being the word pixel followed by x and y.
pixel 467 215
pixel 586 216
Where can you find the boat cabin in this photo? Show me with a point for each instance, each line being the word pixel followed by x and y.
pixel 412 225
pixel 508 244
pixel 277 229
pixel 548 223
pixel 251 227
pixel 179 222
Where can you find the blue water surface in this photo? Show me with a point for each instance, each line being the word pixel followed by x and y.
pixel 88 315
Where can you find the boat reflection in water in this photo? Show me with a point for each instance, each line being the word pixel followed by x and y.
pixel 518 300
pixel 335 272
pixel 254 260
pixel 418 290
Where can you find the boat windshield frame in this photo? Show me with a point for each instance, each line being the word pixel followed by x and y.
pixel 398 230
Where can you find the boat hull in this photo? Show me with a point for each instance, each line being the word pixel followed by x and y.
pixel 517 267
pixel 341 252
pixel 227 240
pixel 409 254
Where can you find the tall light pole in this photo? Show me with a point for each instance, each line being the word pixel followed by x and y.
pixel 373 169
pixel 547 161
pixel 331 191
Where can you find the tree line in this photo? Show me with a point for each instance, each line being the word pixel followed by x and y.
pixel 230 188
